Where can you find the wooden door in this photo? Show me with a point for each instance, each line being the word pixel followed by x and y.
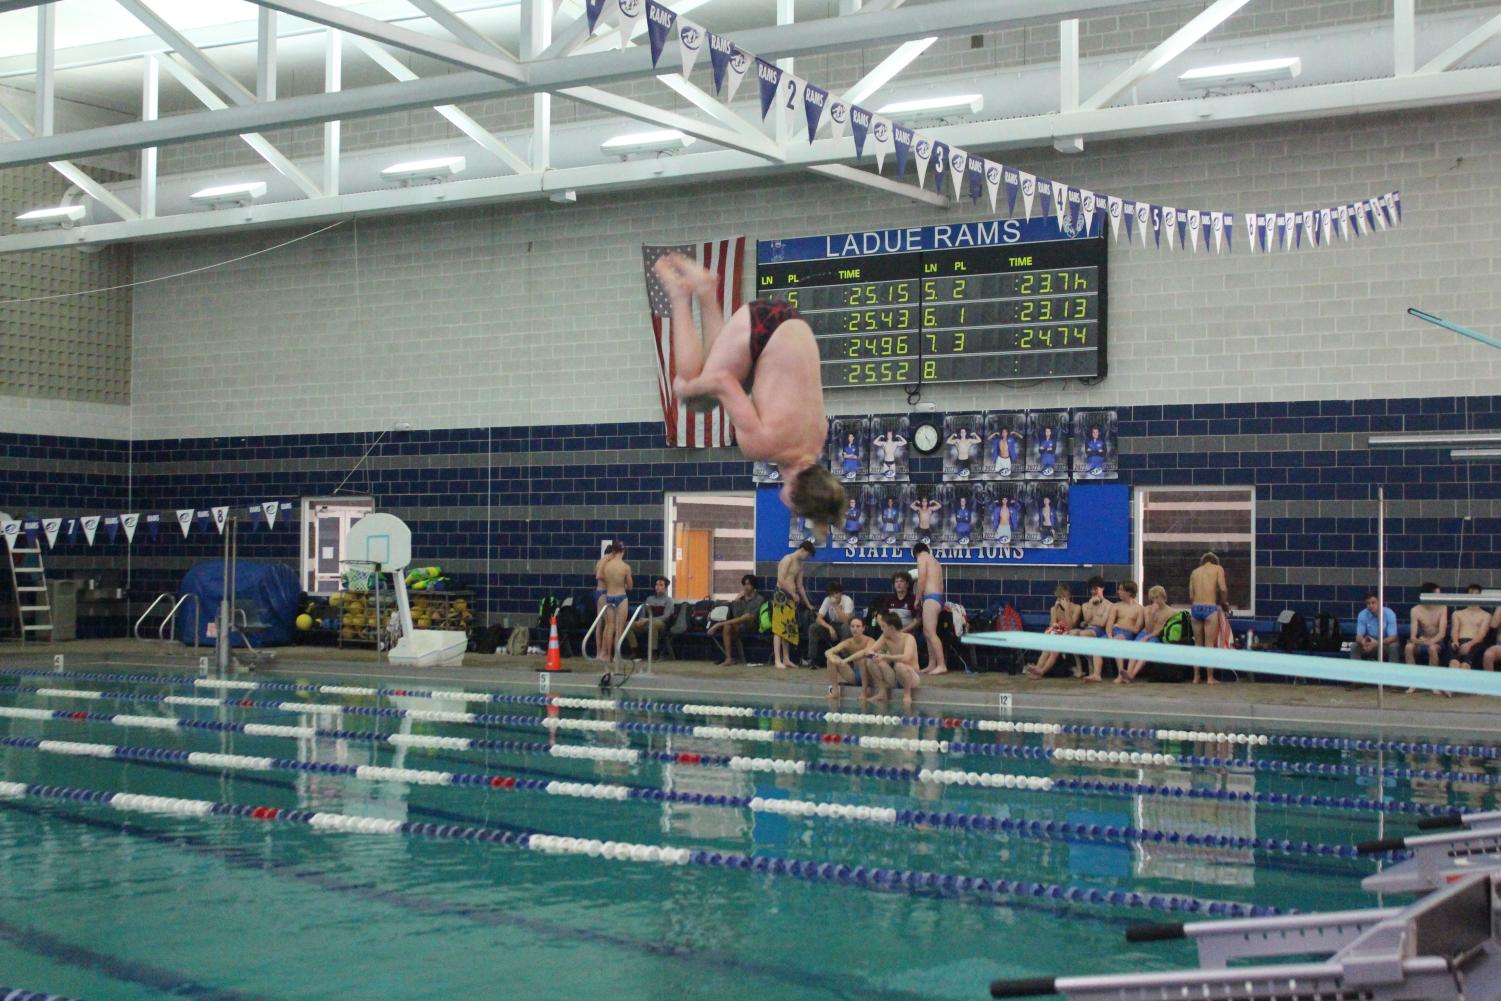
pixel 692 571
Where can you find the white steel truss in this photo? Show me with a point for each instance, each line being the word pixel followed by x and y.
pixel 573 63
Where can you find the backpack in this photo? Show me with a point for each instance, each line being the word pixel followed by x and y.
pixel 701 615
pixel 545 610
pixel 1178 629
pixel 763 617
pixel 517 643
pixel 1009 620
pixel 1292 632
pixel 1328 637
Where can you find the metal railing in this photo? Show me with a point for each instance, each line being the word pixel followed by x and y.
pixel 164 596
pixel 584 643
pixel 166 631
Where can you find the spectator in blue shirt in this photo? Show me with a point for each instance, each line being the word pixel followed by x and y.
pixel 1366 642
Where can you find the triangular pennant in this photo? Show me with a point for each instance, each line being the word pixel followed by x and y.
pixel 31 528
pixel 814 101
pixel 1157 211
pixel 1088 200
pixel 1217 227
pixel 592 10
pixel 1396 197
pixel 958 170
pixel 901 144
pixel 690 44
pixel 839 117
pixel 153 526
pixel 72 531
pixel 184 520
pixel 628 12
pixel 790 96
pixel 90 524
pixel 1378 212
pixel 50 528
pixel 1229 219
pixel 1051 204
pixel 1172 221
pixel 1144 216
pixel 940 164
pixel 1013 182
pixel 1071 213
pixel 922 155
pixel 1342 215
pixel 221 515
pixel 1115 208
pixel 1029 191
pixel 993 174
pixel 1288 223
pixel 111 528
pixel 859 127
pixel 1128 216
pixel 129 523
pixel 721 54
pixel 1194 224
pixel 1308 229
pixel 268 508
pixel 976 174
pixel 11 529
pixel 740 66
pixel 659 24
pixel 1326 226
pixel 881 140
pixel 769 77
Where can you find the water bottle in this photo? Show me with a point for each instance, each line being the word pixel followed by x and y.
pixel 1250 637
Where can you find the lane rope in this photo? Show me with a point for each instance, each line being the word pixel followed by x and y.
pixel 1059 754
pixel 805 715
pixel 948 821
pixel 734 762
pixel 913 881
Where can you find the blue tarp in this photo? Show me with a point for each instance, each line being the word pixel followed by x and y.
pixel 268 592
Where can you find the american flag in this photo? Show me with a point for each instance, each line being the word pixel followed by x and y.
pixel 726 258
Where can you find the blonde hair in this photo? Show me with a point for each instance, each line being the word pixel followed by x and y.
pixel 1157 591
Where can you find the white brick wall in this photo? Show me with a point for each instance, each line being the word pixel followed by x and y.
pixel 535 314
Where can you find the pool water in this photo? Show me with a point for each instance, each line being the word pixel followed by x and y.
pixel 105 903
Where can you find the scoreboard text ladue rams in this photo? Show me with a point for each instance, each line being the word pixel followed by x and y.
pixel 1022 311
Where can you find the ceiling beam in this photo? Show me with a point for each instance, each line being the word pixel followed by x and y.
pixel 12 123
pixel 1165 52
pixel 1451 56
pixel 189 53
pixel 482 136
pixel 342 19
pixel 755 145
pixel 458 27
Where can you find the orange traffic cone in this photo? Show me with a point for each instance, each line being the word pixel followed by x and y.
pixel 554 652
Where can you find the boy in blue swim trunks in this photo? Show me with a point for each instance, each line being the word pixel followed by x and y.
pixel 1207 591
pixel 1096 612
pixel 847 663
pixel 930 594
pixel 1158 612
pixel 1128 618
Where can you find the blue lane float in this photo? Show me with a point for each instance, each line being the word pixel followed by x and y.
pixel 912 881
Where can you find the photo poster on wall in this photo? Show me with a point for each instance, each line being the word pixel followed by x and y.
pixel 962 446
pixel 1005 513
pixel 890 436
pixel 964 522
pixel 1096 445
pixel 848 448
pixel 1005 445
pixel 853 529
pixel 1047 452
pixel 890 514
pixel 1047 514
pixel 765 472
pixel 927 505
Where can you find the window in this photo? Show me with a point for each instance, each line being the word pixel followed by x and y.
pixel 1175 526
pixel 325 523
pixel 711 544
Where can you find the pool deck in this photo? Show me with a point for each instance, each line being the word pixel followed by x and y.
pixel 1230 705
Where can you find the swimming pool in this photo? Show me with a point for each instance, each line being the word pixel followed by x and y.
pixel 457 874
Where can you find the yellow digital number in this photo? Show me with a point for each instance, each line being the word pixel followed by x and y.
pixel 885 371
pixel 930 370
pixel 929 317
pixel 959 341
pixel 1024 311
pixel 958 290
pixel 1081 308
pixel 901 294
pixel 1026 339
pixel 1045 286
pixel 886 345
pixel 792 298
pixel 870 319
pixel 903 345
pixel 902 368
pixel 929 289
pixel 1047 337
pixel 932 342
pixel 1025 284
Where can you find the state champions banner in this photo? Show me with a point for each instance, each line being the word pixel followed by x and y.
pixel 959 173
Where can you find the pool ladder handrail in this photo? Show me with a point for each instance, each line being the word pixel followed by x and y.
pixel 620 642
pixel 166 632
pixel 584 643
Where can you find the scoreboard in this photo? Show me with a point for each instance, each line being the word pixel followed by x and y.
pixel 983 301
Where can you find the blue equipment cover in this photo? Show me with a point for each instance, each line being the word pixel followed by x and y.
pixel 268 592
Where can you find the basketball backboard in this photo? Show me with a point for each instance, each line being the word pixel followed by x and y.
pixel 382 539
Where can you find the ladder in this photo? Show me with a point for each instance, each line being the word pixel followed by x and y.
pixel 28 577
